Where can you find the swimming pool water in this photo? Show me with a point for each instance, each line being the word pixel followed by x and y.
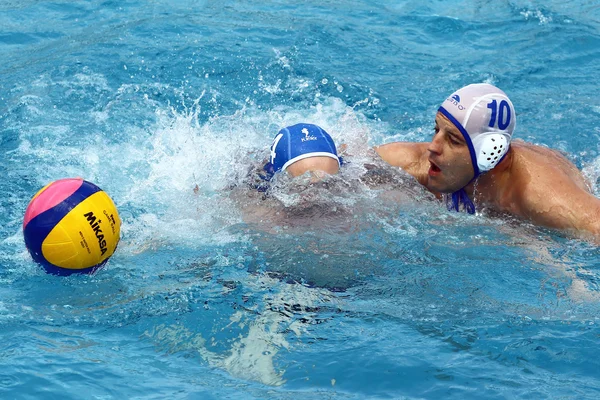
pixel 360 292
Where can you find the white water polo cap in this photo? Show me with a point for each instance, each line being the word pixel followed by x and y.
pixel 486 118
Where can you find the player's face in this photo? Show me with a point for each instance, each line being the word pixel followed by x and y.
pixel 450 167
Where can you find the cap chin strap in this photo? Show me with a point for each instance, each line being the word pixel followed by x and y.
pixel 458 198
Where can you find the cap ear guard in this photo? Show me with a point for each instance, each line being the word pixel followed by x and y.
pixel 490 147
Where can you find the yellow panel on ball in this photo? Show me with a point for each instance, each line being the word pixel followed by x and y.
pixel 86 236
pixel 71 226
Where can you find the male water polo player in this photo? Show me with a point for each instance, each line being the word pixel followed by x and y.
pixel 307 202
pixel 472 161
pixel 297 150
pixel 302 148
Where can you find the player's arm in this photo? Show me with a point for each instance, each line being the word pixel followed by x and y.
pixel 406 155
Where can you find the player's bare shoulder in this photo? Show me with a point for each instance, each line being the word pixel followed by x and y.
pixel 546 188
pixel 545 166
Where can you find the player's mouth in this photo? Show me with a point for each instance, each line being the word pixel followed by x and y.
pixel 434 170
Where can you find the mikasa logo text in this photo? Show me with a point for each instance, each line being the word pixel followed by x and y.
pixel 96 227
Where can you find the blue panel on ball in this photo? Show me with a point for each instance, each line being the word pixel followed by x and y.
pixel 36 231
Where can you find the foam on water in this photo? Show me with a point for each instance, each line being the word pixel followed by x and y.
pixel 172 179
pixel 360 286
pixel 192 168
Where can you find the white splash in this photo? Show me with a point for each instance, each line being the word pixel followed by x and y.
pixel 537 14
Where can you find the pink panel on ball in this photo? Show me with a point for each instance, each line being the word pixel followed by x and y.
pixel 55 193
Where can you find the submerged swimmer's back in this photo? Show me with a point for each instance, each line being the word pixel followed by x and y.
pixel 315 230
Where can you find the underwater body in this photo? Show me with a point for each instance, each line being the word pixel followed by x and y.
pixel 363 286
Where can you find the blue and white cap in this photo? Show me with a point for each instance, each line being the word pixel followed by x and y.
pixel 297 142
pixel 486 118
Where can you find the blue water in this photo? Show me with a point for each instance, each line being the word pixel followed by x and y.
pixel 374 291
